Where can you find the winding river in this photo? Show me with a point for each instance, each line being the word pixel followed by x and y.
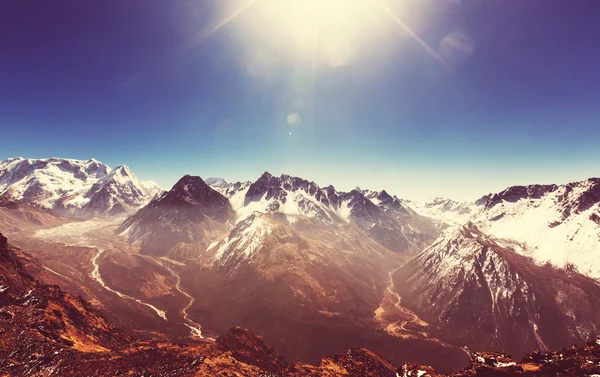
pixel 194 327
pixel 98 278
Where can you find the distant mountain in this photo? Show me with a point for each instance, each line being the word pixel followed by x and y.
pixel 481 293
pixel 233 191
pixel 388 202
pixel 217 182
pixel 119 192
pixel 190 213
pixel 74 187
pixel 446 212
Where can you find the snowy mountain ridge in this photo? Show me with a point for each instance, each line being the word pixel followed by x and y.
pixel 386 218
pixel 74 187
pixel 297 196
pixel 559 224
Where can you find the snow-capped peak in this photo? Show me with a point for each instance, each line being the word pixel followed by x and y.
pixel 291 196
pixel 120 191
pixel 245 240
pixel 123 170
pixel 297 196
pixel 388 202
pixel 73 186
pixel 559 224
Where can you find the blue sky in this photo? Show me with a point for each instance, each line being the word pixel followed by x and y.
pixel 507 93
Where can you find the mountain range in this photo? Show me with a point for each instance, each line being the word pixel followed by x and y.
pixel 313 269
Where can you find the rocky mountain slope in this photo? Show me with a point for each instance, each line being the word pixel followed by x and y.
pixel 574 361
pixel 479 292
pixel 191 213
pixel 18 215
pixel 297 261
pixel 74 187
pixel 289 277
pixel 172 231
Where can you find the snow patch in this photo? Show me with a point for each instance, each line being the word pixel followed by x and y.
pixel 244 241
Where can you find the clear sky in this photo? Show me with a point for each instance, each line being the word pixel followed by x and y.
pixel 423 98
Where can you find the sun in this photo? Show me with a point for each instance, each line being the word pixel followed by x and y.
pixel 331 28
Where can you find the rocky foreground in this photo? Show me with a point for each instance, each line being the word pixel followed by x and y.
pixel 47 332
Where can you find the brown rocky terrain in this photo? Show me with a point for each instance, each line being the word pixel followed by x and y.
pixel 45 331
pixel 573 361
pixel 72 268
pixel 18 215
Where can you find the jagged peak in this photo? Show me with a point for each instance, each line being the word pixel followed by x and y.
pixel 189 186
pixel 191 190
pixel 189 179
pixel 120 174
pixel 471 229
pixel 265 175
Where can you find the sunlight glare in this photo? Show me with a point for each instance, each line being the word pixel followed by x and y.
pixel 332 29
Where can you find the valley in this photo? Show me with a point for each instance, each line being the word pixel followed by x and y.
pixel 98 235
